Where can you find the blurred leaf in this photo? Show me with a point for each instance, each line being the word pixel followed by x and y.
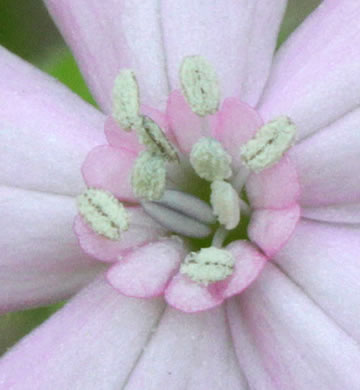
pixel 13 326
pixel 296 12
pixel 61 65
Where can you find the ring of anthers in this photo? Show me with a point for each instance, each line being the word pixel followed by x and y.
pixel 180 212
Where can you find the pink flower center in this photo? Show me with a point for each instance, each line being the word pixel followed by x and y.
pixel 192 202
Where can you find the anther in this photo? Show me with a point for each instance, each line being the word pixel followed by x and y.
pixel 226 203
pixel 269 144
pixel 149 176
pixel 103 213
pixel 126 101
pixel 200 85
pixel 151 135
pixel 210 160
pixel 209 265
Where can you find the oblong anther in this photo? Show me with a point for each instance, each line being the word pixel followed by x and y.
pixel 226 203
pixel 209 265
pixel 210 160
pixel 269 144
pixel 200 85
pixel 103 213
pixel 148 177
pixel 155 140
pixel 126 100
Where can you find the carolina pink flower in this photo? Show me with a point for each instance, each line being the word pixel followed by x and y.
pixel 295 324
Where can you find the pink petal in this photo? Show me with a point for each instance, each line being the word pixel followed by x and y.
pixel 284 341
pixel 142 230
pixel 323 259
pixel 93 343
pixel 271 229
pixel 46 131
pixel 346 213
pixel 276 187
pixel 110 169
pixel 315 78
pixel 40 262
pixel 248 265
pixel 121 139
pixel 189 352
pixel 327 162
pixel 237 37
pixel 186 126
pixel 110 35
pixel 190 297
pixel 237 123
pixel 145 272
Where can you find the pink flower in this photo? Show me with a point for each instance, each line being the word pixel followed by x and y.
pixel 296 324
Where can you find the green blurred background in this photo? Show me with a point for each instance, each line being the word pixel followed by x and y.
pixel 27 30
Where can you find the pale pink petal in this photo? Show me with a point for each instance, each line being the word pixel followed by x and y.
pixel 186 126
pixel 142 229
pixel 110 169
pixel 189 297
pixel 327 163
pixel 237 37
pixel 284 341
pixel 146 271
pixel 152 38
pixel 237 123
pixel 276 187
pixel 41 261
pixel 92 343
pixel 189 351
pixel 316 78
pixel 270 229
pixel 45 130
pixel 248 265
pixel 343 213
pixel 107 36
pixel 323 259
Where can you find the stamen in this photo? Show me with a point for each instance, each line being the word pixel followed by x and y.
pixel 155 140
pixel 175 221
pixel 149 176
pixel 209 265
pixel 219 237
pixel 200 85
pixel 226 203
pixel 188 205
pixel 269 144
pixel 126 100
pixel 103 212
pixel 210 160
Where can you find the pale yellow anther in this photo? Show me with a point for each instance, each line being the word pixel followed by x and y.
pixel 126 100
pixel 210 160
pixel 269 144
pixel 225 203
pixel 200 85
pixel 151 135
pixel 149 176
pixel 209 265
pixel 103 213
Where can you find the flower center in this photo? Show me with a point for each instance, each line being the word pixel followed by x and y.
pixel 213 209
